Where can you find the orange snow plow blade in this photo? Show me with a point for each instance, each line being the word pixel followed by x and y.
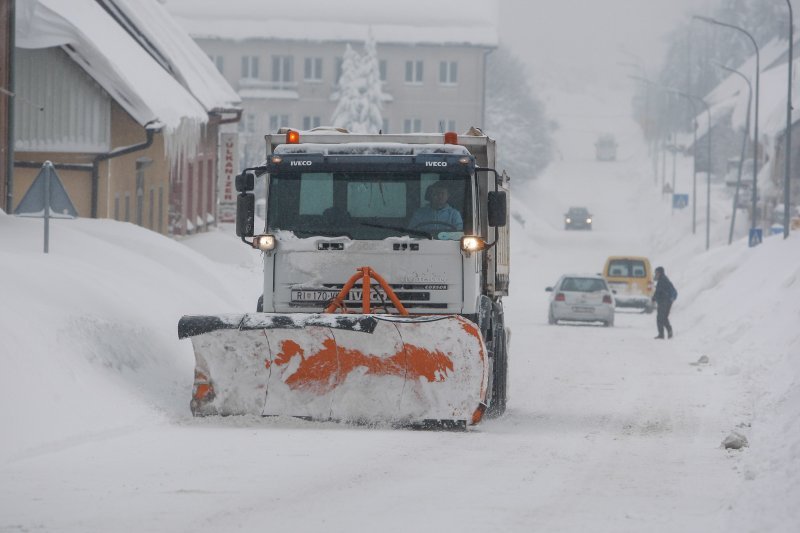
pixel 350 367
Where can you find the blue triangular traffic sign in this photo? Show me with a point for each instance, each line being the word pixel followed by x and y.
pixel 33 203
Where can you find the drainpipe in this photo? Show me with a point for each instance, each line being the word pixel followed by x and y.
pixel 125 150
pixel 9 200
pixel 235 118
pixel 94 167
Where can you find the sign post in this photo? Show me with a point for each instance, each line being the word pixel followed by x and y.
pixel 680 201
pixel 756 236
pixel 226 191
pixel 46 198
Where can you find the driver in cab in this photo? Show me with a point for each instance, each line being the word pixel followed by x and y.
pixel 438 215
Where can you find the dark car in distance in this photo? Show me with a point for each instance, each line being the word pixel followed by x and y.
pixel 578 218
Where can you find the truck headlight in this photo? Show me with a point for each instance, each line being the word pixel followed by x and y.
pixel 472 243
pixel 265 242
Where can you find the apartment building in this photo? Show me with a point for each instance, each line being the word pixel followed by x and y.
pixel 286 65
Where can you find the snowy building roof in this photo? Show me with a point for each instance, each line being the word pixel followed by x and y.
pixel 463 22
pixel 174 93
pixel 188 63
pixel 110 56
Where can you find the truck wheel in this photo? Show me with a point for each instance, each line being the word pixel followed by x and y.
pixel 497 401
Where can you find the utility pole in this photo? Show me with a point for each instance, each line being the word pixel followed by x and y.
pixel 787 176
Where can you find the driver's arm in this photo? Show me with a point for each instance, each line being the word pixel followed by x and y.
pixel 456 220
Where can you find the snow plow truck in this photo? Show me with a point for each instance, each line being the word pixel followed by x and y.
pixel 386 258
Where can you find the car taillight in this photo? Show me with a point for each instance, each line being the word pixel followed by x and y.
pixel 560 297
pixel 607 299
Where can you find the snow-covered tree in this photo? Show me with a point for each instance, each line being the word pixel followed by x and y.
pixel 516 118
pixel 360 95
pixel 371 117
pixel 348 108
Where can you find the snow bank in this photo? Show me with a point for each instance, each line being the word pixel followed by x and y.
pixel 90 330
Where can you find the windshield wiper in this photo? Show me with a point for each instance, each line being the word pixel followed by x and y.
pixel 399 228
pixel 323 233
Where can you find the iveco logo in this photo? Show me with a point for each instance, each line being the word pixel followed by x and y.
pixel 300 163
pixel 435 163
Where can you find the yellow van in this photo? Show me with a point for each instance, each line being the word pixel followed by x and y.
pixel 631 279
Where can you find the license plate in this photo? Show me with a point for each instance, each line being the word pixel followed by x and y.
pixel 321 296
pixel 313 296
pixel 579 309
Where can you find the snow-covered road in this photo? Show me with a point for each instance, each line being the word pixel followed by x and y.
pixel 606 429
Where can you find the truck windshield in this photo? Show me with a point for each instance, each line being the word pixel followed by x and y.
pixel 370 206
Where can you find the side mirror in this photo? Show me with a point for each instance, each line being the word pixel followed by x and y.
pixel 498 209
pixel 245 182
pixel 245 214
pixel 549 289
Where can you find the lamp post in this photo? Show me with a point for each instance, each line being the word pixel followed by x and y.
pixel 744 145
pixel 755 126
pixel 708 173
pixel 788 127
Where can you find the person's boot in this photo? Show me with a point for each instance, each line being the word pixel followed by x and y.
pixel 659 336
pixel 669 333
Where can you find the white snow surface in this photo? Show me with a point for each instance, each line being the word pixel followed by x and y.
pixel 731 95
pixel 191 65
pixel 606 428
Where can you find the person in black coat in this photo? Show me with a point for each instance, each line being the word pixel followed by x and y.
pixel 663 297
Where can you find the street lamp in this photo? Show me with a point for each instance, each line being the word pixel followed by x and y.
pixel 755 127
pixel 744 145
pixel 788 127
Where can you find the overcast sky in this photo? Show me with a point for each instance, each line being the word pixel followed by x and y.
pixel 573 42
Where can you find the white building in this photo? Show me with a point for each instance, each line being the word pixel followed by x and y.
pixel 285 61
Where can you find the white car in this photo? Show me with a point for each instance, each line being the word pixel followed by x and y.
pixel 581 298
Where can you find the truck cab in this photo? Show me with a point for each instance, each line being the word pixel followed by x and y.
pixel 423 213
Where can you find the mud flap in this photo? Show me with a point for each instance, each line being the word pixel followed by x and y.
pixel 360 368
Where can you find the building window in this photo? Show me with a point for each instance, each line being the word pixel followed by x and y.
pixel 412 125
pixel 141 165
pixel 448 72
pixel 200 193
pixel 160 209
pixel 210 198
pixel 414 71
pixel 152 208
pixel 339 63
pixel 277 122
pixel 447 125
pixel 282 69
pixel 312 70
pixel 116 206
pixel 219 62
pixel 248 123
pixel 127 207
pixel 250 67
pixel 382 69
pixel 311 122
